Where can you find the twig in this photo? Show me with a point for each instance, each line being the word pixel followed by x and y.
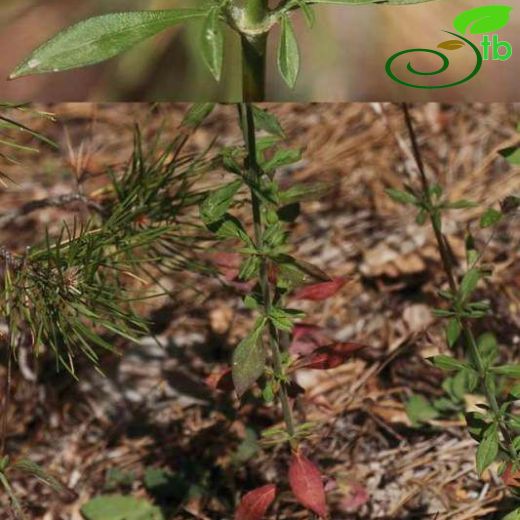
pixel 55 202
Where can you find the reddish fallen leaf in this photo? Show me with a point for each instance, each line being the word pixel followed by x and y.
pixel 220 380
pixel 306 338
pixel 355 496
pixel 307 484
pixel 320 291
pixel 227 263
pixel 511 477
pixel 255 504
pixel 329 356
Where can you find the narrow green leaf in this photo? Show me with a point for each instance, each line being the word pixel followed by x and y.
pixel 401 197
pixel 197 113
pixel 248 362
pixel 452 331
pixel 305 192
pixel 215 206
pixel 100 38
pixel 488 449
pixel 213 43
pixel 268 122
pixel 308 13
pixel 507 370
pixel 288 53
pixel 448 363
pixel 469 283
pixel 461 204
pixel 490 217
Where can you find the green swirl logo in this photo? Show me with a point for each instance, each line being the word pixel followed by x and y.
pixel 480 20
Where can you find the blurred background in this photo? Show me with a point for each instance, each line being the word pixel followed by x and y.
pixel 343 56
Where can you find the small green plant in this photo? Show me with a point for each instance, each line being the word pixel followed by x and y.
pixel 102 37
pixel 262 362
pixel 496 427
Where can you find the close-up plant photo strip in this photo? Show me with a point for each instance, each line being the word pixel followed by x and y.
pixel 259 260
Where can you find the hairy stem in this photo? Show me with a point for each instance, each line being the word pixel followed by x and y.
pixel 449 270
pixel 253 173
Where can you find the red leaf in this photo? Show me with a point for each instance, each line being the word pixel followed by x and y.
pixel 307 338
pixel 307 485
pixel 355 497
pixel 227 263
pixel 320 291
pixel 330 356
pixel 254 504
pixel 510 477
pixel 220 380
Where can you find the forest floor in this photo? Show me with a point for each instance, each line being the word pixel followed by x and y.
pixel 152 427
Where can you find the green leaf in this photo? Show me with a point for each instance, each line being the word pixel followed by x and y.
pixel 216 204
pixel 283 319
pixel 488 348
pixel 484 19
pixel 453 331
pixel 469 283
pixel 421 217
pixel 212 44
pixel 197 113
pixel 229 227
pixel 448 363
pixel 308 13
pixel 288 53
pixel 305 192
pixel 461 204
pixel 100 38
pixel 507 370
pixel 250 268
pixel 511 154
pixel 419 410
pixel 31 468
pixel 248 362
pixel 282 157
pixel 267 122
pixel 401 197
pixel 118 507
pixel 490 218
pixel 513 515
pixel 488 449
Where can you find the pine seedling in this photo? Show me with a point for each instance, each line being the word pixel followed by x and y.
pixel 496 427
pixel 100 38
pixel 74 293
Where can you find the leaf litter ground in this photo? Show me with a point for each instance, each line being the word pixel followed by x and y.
pixel 153 411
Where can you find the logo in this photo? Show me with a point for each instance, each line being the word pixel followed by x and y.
pixel 483 21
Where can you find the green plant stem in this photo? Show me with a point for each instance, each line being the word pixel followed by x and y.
pixel 253 173
pixel 254 50
pixel 449 270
